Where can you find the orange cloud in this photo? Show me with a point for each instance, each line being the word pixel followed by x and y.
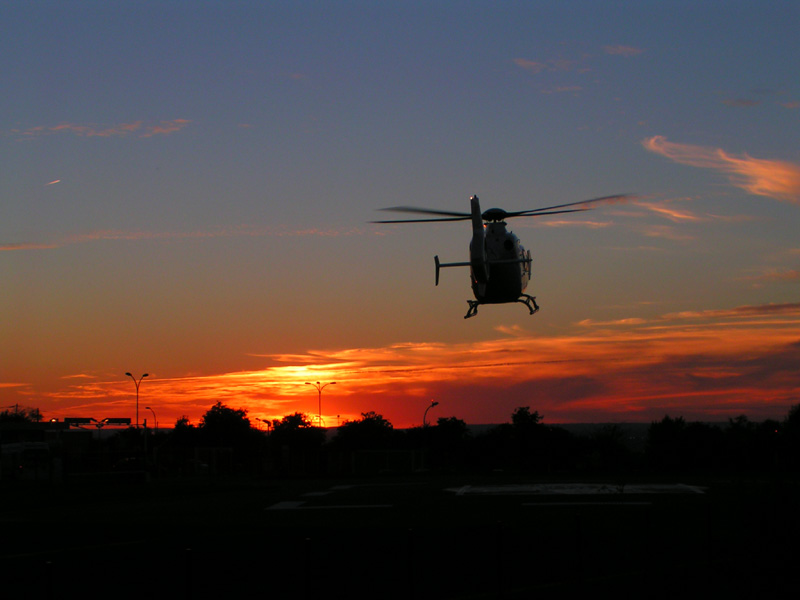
pixel 791 308
pixel 704 364
pixel 773 178
pixel 26 246
pixel 165 127
pixel 671 213
pixel 573 223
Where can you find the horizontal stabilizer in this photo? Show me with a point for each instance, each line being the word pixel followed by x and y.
pixel 440 265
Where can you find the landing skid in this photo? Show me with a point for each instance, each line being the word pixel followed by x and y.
pixel 473 309
pixel 528 301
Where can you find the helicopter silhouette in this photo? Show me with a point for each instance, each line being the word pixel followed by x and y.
pixel 500 268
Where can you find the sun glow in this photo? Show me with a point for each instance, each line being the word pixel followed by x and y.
pixel 624 369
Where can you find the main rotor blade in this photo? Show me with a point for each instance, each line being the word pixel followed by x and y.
pixel 551 212
pixel 426 211
pixel 538 211
pixel 424 220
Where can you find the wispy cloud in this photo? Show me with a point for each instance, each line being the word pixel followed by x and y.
pixel 585 223
pixel 621 50
pixel 27 246
pixel 670 212
pixel 564 89
pixel 121 235
pixel 741 102
pixel 775 275
pixel 614 323
pixel 554 64
pixel 764 310
pixel 164 127
pixel 667 232
pixel 762 177
pixel 135 128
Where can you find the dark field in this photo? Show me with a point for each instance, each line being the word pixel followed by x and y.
pixel 395 537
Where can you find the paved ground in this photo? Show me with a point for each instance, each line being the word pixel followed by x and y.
pixel 419 537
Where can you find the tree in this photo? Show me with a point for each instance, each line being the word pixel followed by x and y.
pixel 295 445
pixel 448 442
pixel 296 429
pixel 370 431
pixel 184 433
pixel 225 426
pixel 523 418
pixel 451 428
pixel 607 450
pixel 21 415
pixel 292 422
pixel 673 444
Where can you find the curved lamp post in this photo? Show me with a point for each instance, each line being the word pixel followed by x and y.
pixel 137 394
pixel 425 416
pixel 155 420
pixel 320 387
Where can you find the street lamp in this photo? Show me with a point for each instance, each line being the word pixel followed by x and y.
pixel 155 420
pixel 425 416
pixel 137 394
pixel 320 387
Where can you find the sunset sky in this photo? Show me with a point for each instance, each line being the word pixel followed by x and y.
pixel 187 190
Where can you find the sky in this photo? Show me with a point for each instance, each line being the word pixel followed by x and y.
pixel 186 190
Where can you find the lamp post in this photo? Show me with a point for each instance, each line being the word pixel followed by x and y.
pixel 320 387
pixel 155 420
pixel 137 394
pixel 425 416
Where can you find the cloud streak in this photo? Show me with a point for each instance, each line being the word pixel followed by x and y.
pixel 761 177
pixel 135 236
pixel 621 50
pixel 136 128
pixel 555 64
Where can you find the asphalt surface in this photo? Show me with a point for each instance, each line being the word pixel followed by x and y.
pixel 453 536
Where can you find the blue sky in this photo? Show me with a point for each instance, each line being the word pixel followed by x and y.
pixel 187 188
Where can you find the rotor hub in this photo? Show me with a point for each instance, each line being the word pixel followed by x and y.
pixel 494 215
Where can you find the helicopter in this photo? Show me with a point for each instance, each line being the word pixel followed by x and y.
pixel 500 267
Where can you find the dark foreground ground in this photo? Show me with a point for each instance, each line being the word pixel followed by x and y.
pixel 491 536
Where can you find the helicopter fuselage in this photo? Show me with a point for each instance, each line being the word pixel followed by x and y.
pixel 507 263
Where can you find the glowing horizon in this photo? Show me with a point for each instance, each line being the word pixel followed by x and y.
pixel 630 369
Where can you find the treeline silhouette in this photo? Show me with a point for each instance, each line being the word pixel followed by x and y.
pixel 226 442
